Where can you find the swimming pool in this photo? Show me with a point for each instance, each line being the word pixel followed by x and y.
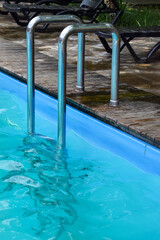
pixel 106 186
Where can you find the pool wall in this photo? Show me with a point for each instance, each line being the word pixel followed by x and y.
pixel 140 153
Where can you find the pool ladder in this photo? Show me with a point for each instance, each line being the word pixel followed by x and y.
pixel 81 29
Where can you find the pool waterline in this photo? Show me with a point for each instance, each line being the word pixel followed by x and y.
pixel 106 137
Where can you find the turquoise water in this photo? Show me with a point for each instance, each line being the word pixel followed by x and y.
pixel 85 193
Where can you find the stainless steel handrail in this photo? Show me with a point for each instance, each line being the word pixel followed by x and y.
pixel 30 61
pixel 62 42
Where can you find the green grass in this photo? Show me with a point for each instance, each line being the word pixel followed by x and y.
pixel 135 17
pixel 142 16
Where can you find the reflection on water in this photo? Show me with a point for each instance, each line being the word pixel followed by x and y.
pixel 36 200
pixel 85 193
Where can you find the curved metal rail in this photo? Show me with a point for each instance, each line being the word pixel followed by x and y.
pixel 62 42
pixel 30 61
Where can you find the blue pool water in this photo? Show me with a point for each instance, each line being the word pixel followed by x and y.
pixel 106 186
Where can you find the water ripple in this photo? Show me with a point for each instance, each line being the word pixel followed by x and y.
pixel 10 165
pixel 26 181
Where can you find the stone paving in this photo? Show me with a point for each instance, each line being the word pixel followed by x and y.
pixel 139 110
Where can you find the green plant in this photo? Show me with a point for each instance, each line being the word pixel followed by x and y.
pixel 141 16
pixel 135 17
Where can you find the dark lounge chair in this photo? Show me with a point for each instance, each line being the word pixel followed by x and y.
pixel 131 34
pixel 22 18
pixel 88 8
pixel 61 2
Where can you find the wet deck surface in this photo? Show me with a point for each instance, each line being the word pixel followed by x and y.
pixel 139 110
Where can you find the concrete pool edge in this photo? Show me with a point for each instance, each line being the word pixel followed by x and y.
pixel 89 111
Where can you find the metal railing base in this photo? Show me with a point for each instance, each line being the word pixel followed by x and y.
pixel 79 89
pixel 113 103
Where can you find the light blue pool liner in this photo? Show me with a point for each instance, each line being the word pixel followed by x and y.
pixel 140 153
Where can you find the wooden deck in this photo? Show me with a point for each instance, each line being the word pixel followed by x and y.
pixel 139 109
